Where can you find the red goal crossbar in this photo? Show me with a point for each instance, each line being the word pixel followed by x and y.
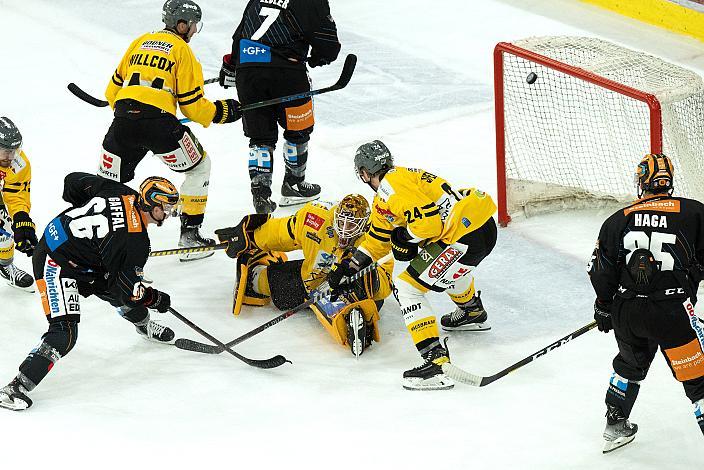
pixel 507 48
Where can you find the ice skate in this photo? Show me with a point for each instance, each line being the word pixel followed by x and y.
pixel 191 238
pixel 13 396
pixel 17 278
pixel 429 375
pixel 156 332
pixel 470 316
pixel 619 431
pixel 298 193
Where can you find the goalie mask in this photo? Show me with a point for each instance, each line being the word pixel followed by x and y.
pixel 654 174
pixel 351 218
pixel 156 191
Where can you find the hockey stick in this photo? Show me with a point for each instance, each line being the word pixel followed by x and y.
pixel 345 77
pixel 190 345
pixel 183 251
pixel 465 377
pixel 90 99
pixel 270 363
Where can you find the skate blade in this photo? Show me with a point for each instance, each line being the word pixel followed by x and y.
pixel 441 382
pixel 615 444
pixel 195 256
pixel 15 405
pixel 154 340
pixel 468 327
pixel 294 200
pixel 29 289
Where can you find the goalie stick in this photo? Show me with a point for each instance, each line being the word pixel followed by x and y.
pixel 317 294
pixel 270 363
pixel 345 77
pixel 465 377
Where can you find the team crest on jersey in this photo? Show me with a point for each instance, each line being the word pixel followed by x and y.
pixel 330 231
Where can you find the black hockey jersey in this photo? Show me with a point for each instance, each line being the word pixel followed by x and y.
pixel 671 228
pixel 279 32
pixel 102 237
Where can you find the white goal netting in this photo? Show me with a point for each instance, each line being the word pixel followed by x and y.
pixel 568 139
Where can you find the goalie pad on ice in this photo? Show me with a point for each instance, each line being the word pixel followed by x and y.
pixel 244 293
pixel 332 316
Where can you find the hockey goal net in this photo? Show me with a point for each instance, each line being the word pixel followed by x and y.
pixel 575 115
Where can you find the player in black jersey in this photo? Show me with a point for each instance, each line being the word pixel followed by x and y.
pixel 268 60
pixel 646 269
pixel 97 247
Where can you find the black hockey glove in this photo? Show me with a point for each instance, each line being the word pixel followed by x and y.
pixel 602 315
pixel 402 246
pixel 24 233
pixel 339 279
pixel 156 300
pixel 316 60
pixel 226 78
pixel 227 111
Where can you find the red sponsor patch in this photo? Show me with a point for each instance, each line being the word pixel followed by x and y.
pixel 383 212
pixel 2 175
pixel 460 272
pixel 191 150
pixel 314 221
pixel 170 158
pixel 107 161
pixel 442 262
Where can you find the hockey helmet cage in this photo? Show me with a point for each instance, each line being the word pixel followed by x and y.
pixel 374 157
pixel 351 218
pixel 654 174
pixel 157 191
pixel 10 137
pixel 175 11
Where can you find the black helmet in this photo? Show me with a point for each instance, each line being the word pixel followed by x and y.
pixel 10 137
pixel 174 11
pixel 374 157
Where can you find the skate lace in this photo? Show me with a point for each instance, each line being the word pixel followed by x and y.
pixel 457 315
pixel 154 329
pixel 305 185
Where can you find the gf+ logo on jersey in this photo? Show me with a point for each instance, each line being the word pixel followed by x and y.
pixel 254 50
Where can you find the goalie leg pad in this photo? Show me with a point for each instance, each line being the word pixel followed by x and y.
pixel 286 285
pixel 245 294
pixel 333 317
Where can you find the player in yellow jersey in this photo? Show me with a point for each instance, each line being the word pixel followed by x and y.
pixel 326 233
pixel 415 209
pixel 157 73
pixel 15 223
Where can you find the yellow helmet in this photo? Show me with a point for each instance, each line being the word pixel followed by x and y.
pixel 157 191
pixel 351 218
pixel 654 174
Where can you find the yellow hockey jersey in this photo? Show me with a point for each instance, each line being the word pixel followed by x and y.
pixel 311 230
pixel 15 184
pixel 427 206
pixel 160 69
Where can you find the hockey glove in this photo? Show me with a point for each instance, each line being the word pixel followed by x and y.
pixel 402 246
pixel 156 300
pixel 226 78
pixel 316 60
pixel 339 279
pixel 24 233
pixel 602 315
pixel 227 111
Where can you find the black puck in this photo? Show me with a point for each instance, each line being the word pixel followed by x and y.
pixel 531 78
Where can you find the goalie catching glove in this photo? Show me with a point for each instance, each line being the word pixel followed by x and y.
pixel 402 246
pixel 341 273
pixel 240 238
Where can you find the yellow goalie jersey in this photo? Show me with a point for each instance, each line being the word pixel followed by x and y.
pixel 311 230
pixel 15 185
pixel 427 206
pixel 159 69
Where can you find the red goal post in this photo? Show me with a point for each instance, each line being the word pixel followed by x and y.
pixel 556 115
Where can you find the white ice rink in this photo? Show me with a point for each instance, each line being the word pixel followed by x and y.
pixel 424 86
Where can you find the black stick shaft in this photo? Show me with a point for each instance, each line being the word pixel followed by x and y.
pixel 182 251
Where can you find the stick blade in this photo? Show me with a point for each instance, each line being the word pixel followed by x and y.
pixel 462 376
pixel 347 71
pixel 73 88
pixel 195 346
